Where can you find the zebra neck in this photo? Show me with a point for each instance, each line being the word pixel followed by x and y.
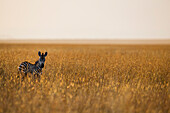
pixel 37 64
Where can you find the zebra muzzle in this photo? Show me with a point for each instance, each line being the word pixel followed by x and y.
pixel 42 65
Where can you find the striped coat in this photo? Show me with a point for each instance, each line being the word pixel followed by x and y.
pixel 35 69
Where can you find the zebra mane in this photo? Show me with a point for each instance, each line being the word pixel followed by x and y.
pixel 36 62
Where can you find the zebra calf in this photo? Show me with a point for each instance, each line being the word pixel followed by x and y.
pixel 34 69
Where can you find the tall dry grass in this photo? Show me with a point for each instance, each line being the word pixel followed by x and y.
pixel 87 79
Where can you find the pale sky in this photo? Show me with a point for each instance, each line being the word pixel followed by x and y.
pixel 84 19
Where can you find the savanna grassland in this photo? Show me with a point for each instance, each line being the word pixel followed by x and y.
pixel 87 79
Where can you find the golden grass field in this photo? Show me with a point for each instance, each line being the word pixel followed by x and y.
pixel 87 79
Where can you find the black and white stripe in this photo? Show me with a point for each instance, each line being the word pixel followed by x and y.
pixel 35 69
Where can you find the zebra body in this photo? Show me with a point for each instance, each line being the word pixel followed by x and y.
pixel 27 67
pixel 35 69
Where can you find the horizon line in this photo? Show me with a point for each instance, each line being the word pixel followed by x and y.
pixel 87 41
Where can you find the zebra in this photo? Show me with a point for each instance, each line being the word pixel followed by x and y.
pixel 35 69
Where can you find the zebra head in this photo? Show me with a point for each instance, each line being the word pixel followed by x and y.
pixel 42 59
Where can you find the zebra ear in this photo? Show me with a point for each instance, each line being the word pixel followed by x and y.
pixel 45 54
pixel 39 53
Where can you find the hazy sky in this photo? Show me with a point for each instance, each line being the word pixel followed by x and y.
pixel 84 19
